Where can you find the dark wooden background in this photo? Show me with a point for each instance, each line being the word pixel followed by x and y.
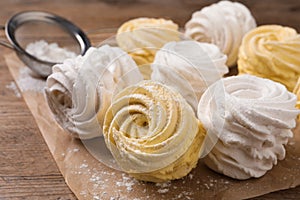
pixel 27 170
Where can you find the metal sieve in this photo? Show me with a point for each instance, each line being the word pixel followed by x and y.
pixel 31 26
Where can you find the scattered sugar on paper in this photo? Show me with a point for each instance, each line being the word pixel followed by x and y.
pixel 83 166
pixel 12 86
pixel 73 150
pixel 164 187
pixel 183 195
pixel 50 52
pixel 128 182
pixel 163 191
pixel 100 179
pixel 27 82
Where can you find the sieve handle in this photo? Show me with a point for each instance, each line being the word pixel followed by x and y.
pixel 3 42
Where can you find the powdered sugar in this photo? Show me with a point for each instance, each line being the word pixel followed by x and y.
pixel 163 185
pixel 49 52
pixel 12 86
pixel 124 187
pixel 163 191
pixel 83 165
pixel 127 182
pixel 27 82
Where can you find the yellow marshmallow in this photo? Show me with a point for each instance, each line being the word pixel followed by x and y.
pixel 153 132
pixel 142 37
pixel 297 92
pixel 271 51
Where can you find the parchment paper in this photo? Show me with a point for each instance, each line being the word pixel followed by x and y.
pixel 90 179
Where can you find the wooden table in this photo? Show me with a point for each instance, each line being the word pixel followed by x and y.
pixel 27 169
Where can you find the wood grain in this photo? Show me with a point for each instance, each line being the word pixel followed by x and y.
pixel 27 170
